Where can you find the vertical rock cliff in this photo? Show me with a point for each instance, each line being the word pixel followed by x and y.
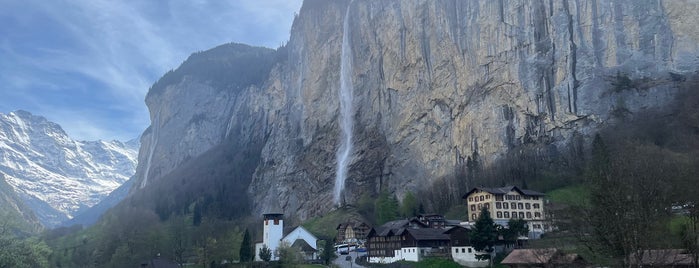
pixel 434 82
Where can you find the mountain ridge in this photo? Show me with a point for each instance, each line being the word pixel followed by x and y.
pixel 55 175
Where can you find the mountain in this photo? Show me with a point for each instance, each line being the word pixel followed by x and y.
pixel 14 211
pixel 409 96
pixel 54 175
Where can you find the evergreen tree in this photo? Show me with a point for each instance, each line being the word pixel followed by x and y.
pixel 246 248
pixel 196 217
pixel 409 206
pixel 328 253
pixel 265 253
pixel 386 208
pixel 484 235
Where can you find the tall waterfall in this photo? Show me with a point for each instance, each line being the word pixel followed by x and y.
pixel 344 151
pixel 153 142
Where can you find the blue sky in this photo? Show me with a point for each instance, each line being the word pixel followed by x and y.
pixel 87 64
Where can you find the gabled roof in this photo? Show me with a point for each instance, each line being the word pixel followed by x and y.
pixel 530 256
pixel 504 190
pixel 456 227
pixel 662 257
pixel 427 234
pixel 303 246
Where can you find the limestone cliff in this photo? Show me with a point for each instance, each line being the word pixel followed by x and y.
pixel 433 82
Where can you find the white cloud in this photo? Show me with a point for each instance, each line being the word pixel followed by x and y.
pixel 124 46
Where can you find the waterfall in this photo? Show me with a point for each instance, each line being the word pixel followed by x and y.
pixel 153 143
pixel 346 111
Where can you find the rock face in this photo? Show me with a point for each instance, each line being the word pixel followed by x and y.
pixel 434 82
pixel 56 176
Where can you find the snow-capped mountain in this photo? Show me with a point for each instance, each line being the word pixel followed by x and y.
pixel 59 177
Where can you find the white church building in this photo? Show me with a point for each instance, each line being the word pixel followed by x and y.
pixel 273 237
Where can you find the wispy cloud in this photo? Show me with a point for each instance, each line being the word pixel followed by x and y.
pixel 87 64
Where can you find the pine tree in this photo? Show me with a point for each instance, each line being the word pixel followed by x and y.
pixel 246 248
pixel 265 253
pixel 484 235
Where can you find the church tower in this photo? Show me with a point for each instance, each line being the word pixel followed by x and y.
pixel 273 232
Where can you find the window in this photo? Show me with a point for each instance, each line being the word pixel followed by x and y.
pixel 463 250
pixel 521 215
pixel 470 199
pixel 499 214
pixel 456 250
pixel 505 205
pixel 535 197
pixel 513 205
pixel 469 250
pixel 479 206
pixel 266 222
pixel 487 197
pixel 276 221
pixel 529 215
pixel 520 206
pixel 473 208
pixel 482 199
pixel 526 197
pixel 486 205
pixel 498 198
pixel 498 205
pixel 514 215
pixel 536 206
pixel 507 214
pixel 519 197
pixel 473 216
pixel 527 206
pixel 537 215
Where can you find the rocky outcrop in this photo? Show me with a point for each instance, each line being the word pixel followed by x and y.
pixel 434 82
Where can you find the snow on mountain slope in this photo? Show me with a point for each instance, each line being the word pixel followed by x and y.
pixel 56 175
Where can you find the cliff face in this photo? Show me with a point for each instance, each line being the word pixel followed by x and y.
pixel 433 82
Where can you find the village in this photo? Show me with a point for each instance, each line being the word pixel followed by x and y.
pixel 519 215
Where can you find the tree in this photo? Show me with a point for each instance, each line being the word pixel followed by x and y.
pixel 328 253
pixel 484 235
pixel 386 208
pixel 409 206
pixel 288 256
pixel 196 217
pixel 246 248
pixel 265 253
pixel 515 229
pixel 630 197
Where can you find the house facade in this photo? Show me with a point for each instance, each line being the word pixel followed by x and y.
pixel 418 238
pixel 507 203
pixel 352 232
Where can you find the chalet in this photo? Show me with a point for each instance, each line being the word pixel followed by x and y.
pixel 352 232
pixel 544 258
pixel 507 203
pixel 461 250
pixel 424 236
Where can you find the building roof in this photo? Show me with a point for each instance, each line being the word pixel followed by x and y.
pixel 426 234
pixel 303 246
pixel 159 263
pixel 504 190
pixel 662 257
pixel 541 256
pixel 530 256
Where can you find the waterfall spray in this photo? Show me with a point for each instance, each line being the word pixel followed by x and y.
pixel 344 151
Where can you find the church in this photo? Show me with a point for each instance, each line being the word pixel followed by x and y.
pixel 273 237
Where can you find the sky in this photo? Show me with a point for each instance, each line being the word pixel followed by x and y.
pixel 87 64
